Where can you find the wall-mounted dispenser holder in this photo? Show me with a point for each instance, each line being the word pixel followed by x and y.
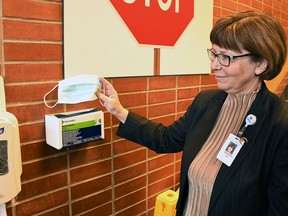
pixel 73 128
pixel 10 153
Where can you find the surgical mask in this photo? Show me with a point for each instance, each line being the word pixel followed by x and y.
pixel 76 89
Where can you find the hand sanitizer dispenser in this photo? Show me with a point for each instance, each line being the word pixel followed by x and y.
pixel 10 153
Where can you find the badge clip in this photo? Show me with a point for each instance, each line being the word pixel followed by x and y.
pixel 250 120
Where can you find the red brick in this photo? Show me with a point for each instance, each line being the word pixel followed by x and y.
pixel 182 106
pixel 178 155
pixel 130 84
pixel 43 167
pixel 151 204
pixel 245 2
pixel 186 81
pixel 160 186
pixel 152 154
pixel 187 93
pixel 42 10
pixel 129 159
pixel 129 173
pixel 29 93
pixel 277 13
pixel 229 4
pixel 133 99
pixel 90 171
pixel 134 210
pixel 84 189
pixel 105 209
pixel 226 12
pixel 90 202
pixel 162 82
pixel 42 203
pixel 208 79
pixel 267 8
pixel 161 173
pixel 63 210
pixel 243 7
pixel 27 72
pixel 15 29
pixel 32 132
pixel 217 3
pixel 257 5
pixel 38 150
pixel 208 87
pixel 159 110
pixel 33 112
pixel 269 2
pixel 123 146
pixel 160 161
pixel 277 4
pixel 85 156
pixel 161 96
pixel 130 186
pixel 32 51
pixel 43 185
pixel 130 200
pixel 216 12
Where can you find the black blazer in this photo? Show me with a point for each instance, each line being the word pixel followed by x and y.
pixel 257 181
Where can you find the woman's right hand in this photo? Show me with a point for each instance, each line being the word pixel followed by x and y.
pixel 109 98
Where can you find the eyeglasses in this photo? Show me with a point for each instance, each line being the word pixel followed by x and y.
pixel 223 59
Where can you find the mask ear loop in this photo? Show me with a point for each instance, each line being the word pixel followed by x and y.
pixel 52 106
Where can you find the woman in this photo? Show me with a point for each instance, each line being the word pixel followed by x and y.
pixel 247 48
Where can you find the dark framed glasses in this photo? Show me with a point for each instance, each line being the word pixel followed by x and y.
pixel 224 59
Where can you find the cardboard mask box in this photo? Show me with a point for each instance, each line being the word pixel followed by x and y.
pixel 73 128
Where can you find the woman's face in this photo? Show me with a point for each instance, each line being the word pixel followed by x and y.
pixel 240 76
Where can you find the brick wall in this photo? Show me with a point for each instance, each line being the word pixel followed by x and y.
pixel 113 176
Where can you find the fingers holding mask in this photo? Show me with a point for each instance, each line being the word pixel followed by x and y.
pixel 108 89
pixel 107 94
pixel 101 93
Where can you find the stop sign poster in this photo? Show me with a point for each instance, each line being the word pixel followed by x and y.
pixel 115 38
pixel 159 23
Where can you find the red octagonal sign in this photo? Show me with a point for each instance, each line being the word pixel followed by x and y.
pixel 156 22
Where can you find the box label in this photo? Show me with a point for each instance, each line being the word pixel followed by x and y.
pixel 82 132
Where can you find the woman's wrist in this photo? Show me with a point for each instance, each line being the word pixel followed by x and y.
pixel 122 115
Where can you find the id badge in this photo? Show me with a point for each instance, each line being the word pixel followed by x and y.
pixel 230 149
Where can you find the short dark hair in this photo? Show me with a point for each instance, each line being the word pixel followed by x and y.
pixel 258 33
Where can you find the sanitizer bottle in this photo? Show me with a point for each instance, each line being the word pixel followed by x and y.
pixel 10 153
